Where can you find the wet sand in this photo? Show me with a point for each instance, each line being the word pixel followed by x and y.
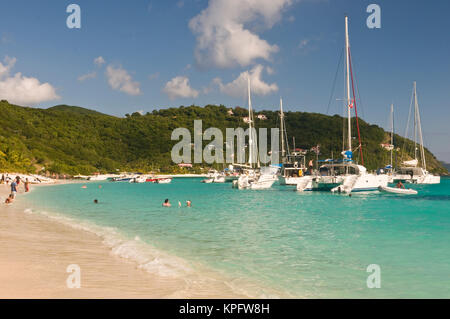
pixel 35 252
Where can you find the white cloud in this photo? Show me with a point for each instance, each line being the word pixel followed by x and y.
pixel 99 61
pixel 223 37
pixel 84 77
pixel 9 64
pixel 179 87
pixel 119 79
pixel 19 89
pixel 238 87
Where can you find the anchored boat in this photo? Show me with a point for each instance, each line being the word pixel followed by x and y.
pixel 254 176
pixel 345 175
pixel 411 171
pixel 396 190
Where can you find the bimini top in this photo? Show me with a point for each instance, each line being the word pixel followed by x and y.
pixel 342 168
pixel 410 171
pixel 335 161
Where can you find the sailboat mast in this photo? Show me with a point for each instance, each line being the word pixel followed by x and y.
pixel 392 133
pixel 283 151
pixel 415 121
pixel 347 53
pixel 419 128
pixel 250 131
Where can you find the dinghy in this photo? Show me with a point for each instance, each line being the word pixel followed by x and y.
pixel 163 180
pixel 396 190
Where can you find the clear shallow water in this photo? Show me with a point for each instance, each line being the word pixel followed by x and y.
pixel 294 244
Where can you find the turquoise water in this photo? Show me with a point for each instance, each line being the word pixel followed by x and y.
pixel 297 244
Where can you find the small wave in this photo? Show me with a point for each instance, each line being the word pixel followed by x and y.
pixel 145 256
pixel 157 262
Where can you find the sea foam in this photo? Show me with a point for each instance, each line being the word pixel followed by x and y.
pixel 156 262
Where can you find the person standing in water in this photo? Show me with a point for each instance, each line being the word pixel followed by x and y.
pixel 188 203
pixel 13 188
pixel 27 185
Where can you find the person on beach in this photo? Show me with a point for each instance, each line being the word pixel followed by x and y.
pixel 18 180
pixel 27 185
pixel 188 203
pixel 14 188
pixel 166 203
pixel 400 185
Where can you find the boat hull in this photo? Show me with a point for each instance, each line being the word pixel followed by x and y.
pixel 394 190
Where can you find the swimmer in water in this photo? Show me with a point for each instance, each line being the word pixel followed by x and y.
pixel 166 203
pixel 95 201
pixel 188 203
pixel 10 199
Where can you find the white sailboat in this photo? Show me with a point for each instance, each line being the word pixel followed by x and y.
pixel 293 163
pixel 344 175
pixel 411 171
pixel 254 177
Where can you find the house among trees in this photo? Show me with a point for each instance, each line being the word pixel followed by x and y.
pixel 230 112
pixel 387 147
pixel 262 117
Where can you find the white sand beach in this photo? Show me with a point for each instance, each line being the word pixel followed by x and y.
pixel 35 252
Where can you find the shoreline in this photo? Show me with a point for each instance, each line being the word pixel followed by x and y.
pixel 35 252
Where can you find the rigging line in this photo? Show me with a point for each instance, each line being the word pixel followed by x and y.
pixel 359 95
pixel 360 99
pixel 356 110
pixel 334 81
pixel 405 136
pixel 344 122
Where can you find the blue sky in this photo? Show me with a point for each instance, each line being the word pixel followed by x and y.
pixel 153 58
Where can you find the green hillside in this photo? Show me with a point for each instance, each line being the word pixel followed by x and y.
pixel 446 166
pixel 74 140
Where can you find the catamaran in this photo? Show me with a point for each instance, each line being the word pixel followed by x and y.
pixel 253 175
pixel 214 177
pixel 345 175
pixel 411 172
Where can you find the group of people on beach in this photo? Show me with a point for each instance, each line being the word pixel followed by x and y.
pixel 168 204
pixel 15 182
